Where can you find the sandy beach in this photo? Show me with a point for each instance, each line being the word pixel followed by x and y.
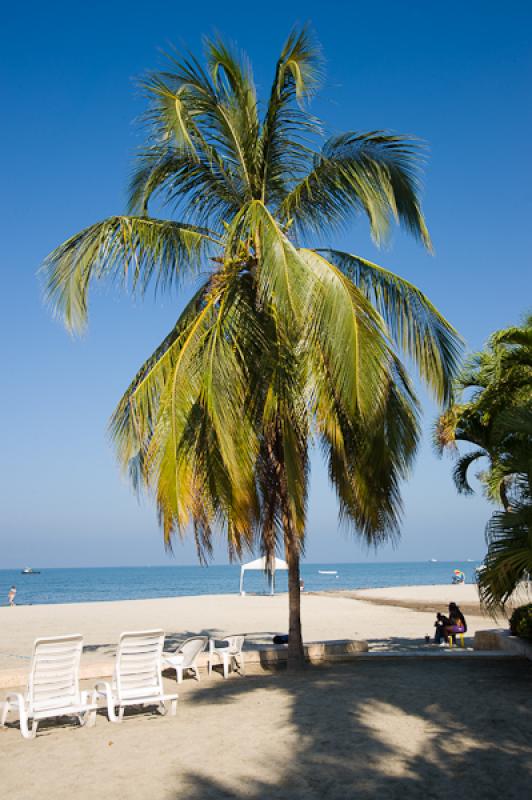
pixel 431 598
pixel 371 727
pixel 324 616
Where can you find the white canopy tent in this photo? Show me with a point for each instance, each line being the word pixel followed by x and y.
pixel 260 563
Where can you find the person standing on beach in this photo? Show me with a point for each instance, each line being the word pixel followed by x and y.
pixel 11 595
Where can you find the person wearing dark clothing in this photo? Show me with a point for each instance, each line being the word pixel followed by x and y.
pixel 440 625
pixel 457 622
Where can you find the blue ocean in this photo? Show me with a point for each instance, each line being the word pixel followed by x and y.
pixel 135 583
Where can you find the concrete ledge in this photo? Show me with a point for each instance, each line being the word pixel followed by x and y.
pixel 265 655
pixel 502 640
pixel 334 650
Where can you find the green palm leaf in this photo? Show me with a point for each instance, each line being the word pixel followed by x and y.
pixel 345 333
pixel 415 325
pixel 284 140
pixel 133 250
pixel 376 173
pixel 461 469
pixel 509 558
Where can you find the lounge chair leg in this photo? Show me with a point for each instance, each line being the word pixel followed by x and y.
pixel 89 719
pixel 22 715
pixel 196 673
pixel 226 665
pixel 173 708
pixel 111 713
pixel 179 674
pixel 34 726
pixel 6 708
pixel 24 726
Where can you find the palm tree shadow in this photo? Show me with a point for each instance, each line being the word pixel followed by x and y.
pixel 396 729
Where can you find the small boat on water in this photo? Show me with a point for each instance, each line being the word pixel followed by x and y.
pixel 327 572
pixel 434 560
pixel 30 571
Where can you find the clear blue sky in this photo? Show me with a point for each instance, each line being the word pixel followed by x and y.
pixel 456 74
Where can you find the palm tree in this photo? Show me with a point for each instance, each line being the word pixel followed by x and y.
pixel 497 418
pixel 498 379
pixel 280 345
pixel 509 532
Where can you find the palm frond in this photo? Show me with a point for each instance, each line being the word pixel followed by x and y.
pixel 345 334
pixel 376 173
pixel 132 250
pixel 368 459
pixel 461 469
pixel 186 421
pixel 203 119
pixel 201 189
pixel 415 325
pixel 509 557
pixel 284 147
pixel 283 279
pixel 135 417
pixel 285 424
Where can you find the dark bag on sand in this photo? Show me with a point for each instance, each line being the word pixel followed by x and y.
pixel 280 639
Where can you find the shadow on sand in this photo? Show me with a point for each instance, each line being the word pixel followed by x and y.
pixel 454 728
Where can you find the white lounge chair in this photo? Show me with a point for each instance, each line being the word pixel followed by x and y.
pixel 230 654
pixel 53 686
pixel 186 656
pixel 137 679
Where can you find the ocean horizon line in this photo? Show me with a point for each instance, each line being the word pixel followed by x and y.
pixel 238 564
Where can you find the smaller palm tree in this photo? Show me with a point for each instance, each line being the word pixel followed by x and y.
pixel 498 420
pixel 509 532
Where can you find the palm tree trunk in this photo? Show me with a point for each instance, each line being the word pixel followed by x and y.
pixel 296 656
pixel 292 547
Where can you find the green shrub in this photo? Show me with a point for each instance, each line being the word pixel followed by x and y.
pixel 521 622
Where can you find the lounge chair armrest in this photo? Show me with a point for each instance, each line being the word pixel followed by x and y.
pixel 103 688
pixel 14 697
pixel 14 700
